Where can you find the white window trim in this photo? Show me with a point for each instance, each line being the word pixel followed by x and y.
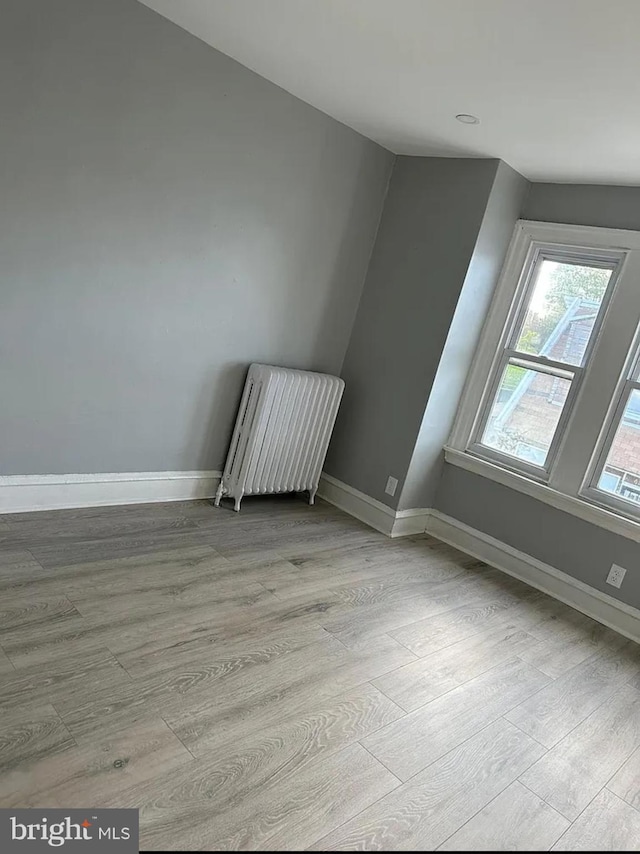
pixel 570 484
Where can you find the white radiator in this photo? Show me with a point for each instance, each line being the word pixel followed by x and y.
pixel 282 433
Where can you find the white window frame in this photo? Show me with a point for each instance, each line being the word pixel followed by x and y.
pixel 596 399
pixel 507 353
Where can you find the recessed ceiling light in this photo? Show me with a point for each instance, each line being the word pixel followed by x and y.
pixel 467 119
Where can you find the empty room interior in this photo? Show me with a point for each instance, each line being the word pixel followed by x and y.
pixel 320 425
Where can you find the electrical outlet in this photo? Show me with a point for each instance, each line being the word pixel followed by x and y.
pixel 392 483
pixel 616 575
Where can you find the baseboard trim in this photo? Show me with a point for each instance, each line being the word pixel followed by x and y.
pixel 617 615
pixel 393 523
pixel 409 522
pixel 24 493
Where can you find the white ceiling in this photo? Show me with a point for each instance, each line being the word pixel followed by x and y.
pixel 555 83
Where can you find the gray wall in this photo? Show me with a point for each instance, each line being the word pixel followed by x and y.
pixel 570 544
pixel 429 228
pixel 584 204
pixel 503 209
pixel 167 217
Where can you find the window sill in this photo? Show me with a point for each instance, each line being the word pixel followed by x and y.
pixel 606 519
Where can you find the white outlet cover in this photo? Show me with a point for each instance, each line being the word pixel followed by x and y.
pixel 616 575
pixel 392 484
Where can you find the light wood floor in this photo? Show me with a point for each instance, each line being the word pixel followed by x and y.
pixel 289 678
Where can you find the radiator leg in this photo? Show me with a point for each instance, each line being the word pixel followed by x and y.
pixel 312 495
pixel 219 493
pixel 237 505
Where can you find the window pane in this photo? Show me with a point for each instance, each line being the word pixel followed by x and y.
pixel 562 310
pixel 621 474
pixel 525 413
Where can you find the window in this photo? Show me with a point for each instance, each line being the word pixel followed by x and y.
pixel 554 393
pixel 618 474
pixel 559 306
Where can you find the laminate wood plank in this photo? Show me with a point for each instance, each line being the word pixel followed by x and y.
pixel 206 685
pixel 56 553
pixel 232 652
pixel 6 535
pixel 436 632
pixel 82 577
pixel 5 665
pixel 421 681
pixel 245 548
pixel 249 565
pixel 567 641
pixel 413 742
pixel 531 609
pixel 559 707
pixel 293 527
pixel 31 626
pixel 164 605
pixel 98 770
pixel 343 568
pixel 317 570
pixel 18 568
pixel 356 627
pixel 517 820
pixel 54 639
pixel 81 519
pixel 110 711
pixel 74 679
pixel 626 781
pixel 67 529
pixel 312 539
pixel 258 700
pixel 31 613
pixel 148 638
pixel 211 671
pixel 152 594
pixel 607 824
pixel 116 519
pixel 245 767
pixel 149 570
pixel 353 585
pixel 316 799
pixel 402 588
pixel 423 812
pixel 28 734
pixel 575 770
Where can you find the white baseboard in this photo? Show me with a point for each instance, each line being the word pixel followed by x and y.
pixel 408 522
pixel 22 493
pixel 617 615
pixel 393 523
